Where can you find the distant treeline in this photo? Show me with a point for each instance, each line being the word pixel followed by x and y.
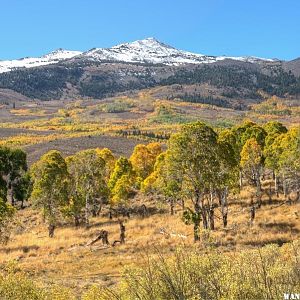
pixel 277 83
pixel 142 133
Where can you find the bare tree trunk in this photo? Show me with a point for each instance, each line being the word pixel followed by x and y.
pixel 94 212
pixel 203 212
pixel 276 184
pixel 144 211
pixel 7 189
pixel 100 207
pixel 219 195
pixel 225 220
pixel 122 232
pixel 270 192
pixel 204 217
pixel 241 180
pixel 172 206
pixel 95 208
pixel 252 215
pixel 10 190
pixel 76 220
pixel 258 189
pixel 211 218
pixel 182 204
pixel 87 211
pixel 284 187
pixel 197 209
pixel 196 230
pixel 12 200
pixel 211 212
pixel 224 206
pixel 51 229
pixel 105 238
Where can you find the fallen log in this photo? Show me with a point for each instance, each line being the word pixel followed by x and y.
pixel 103 235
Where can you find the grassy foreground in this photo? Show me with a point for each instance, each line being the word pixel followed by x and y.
pixel 226 264
pixel 265 273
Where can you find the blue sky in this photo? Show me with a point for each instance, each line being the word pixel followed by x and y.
pixel 265 28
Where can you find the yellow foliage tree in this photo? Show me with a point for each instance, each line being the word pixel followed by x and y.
pixel 143 159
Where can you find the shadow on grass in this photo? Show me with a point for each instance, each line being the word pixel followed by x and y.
pixel 261 243
pixel 280 227
pixel 25 249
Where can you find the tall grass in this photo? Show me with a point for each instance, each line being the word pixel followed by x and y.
pixel 265 273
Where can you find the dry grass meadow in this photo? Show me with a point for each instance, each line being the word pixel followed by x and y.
pixel 68 261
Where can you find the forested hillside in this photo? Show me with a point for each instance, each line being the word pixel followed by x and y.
pixel 238 80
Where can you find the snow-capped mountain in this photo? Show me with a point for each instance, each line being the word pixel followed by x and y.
pixel 152 51
pixel 30 62
pixel 147 50
pixel 144 51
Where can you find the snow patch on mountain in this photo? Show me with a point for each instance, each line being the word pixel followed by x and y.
pixel 30 62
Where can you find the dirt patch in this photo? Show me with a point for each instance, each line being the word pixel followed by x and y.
pixel 10 132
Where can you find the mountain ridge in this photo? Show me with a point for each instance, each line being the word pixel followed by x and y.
pixel 148 50
pixel 31 62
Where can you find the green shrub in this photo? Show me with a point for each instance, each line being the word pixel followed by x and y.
pixel 165 114
pixel 16 285
pixel 118 106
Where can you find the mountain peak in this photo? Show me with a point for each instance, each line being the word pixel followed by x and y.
pixel 148 50
pixel 150 42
